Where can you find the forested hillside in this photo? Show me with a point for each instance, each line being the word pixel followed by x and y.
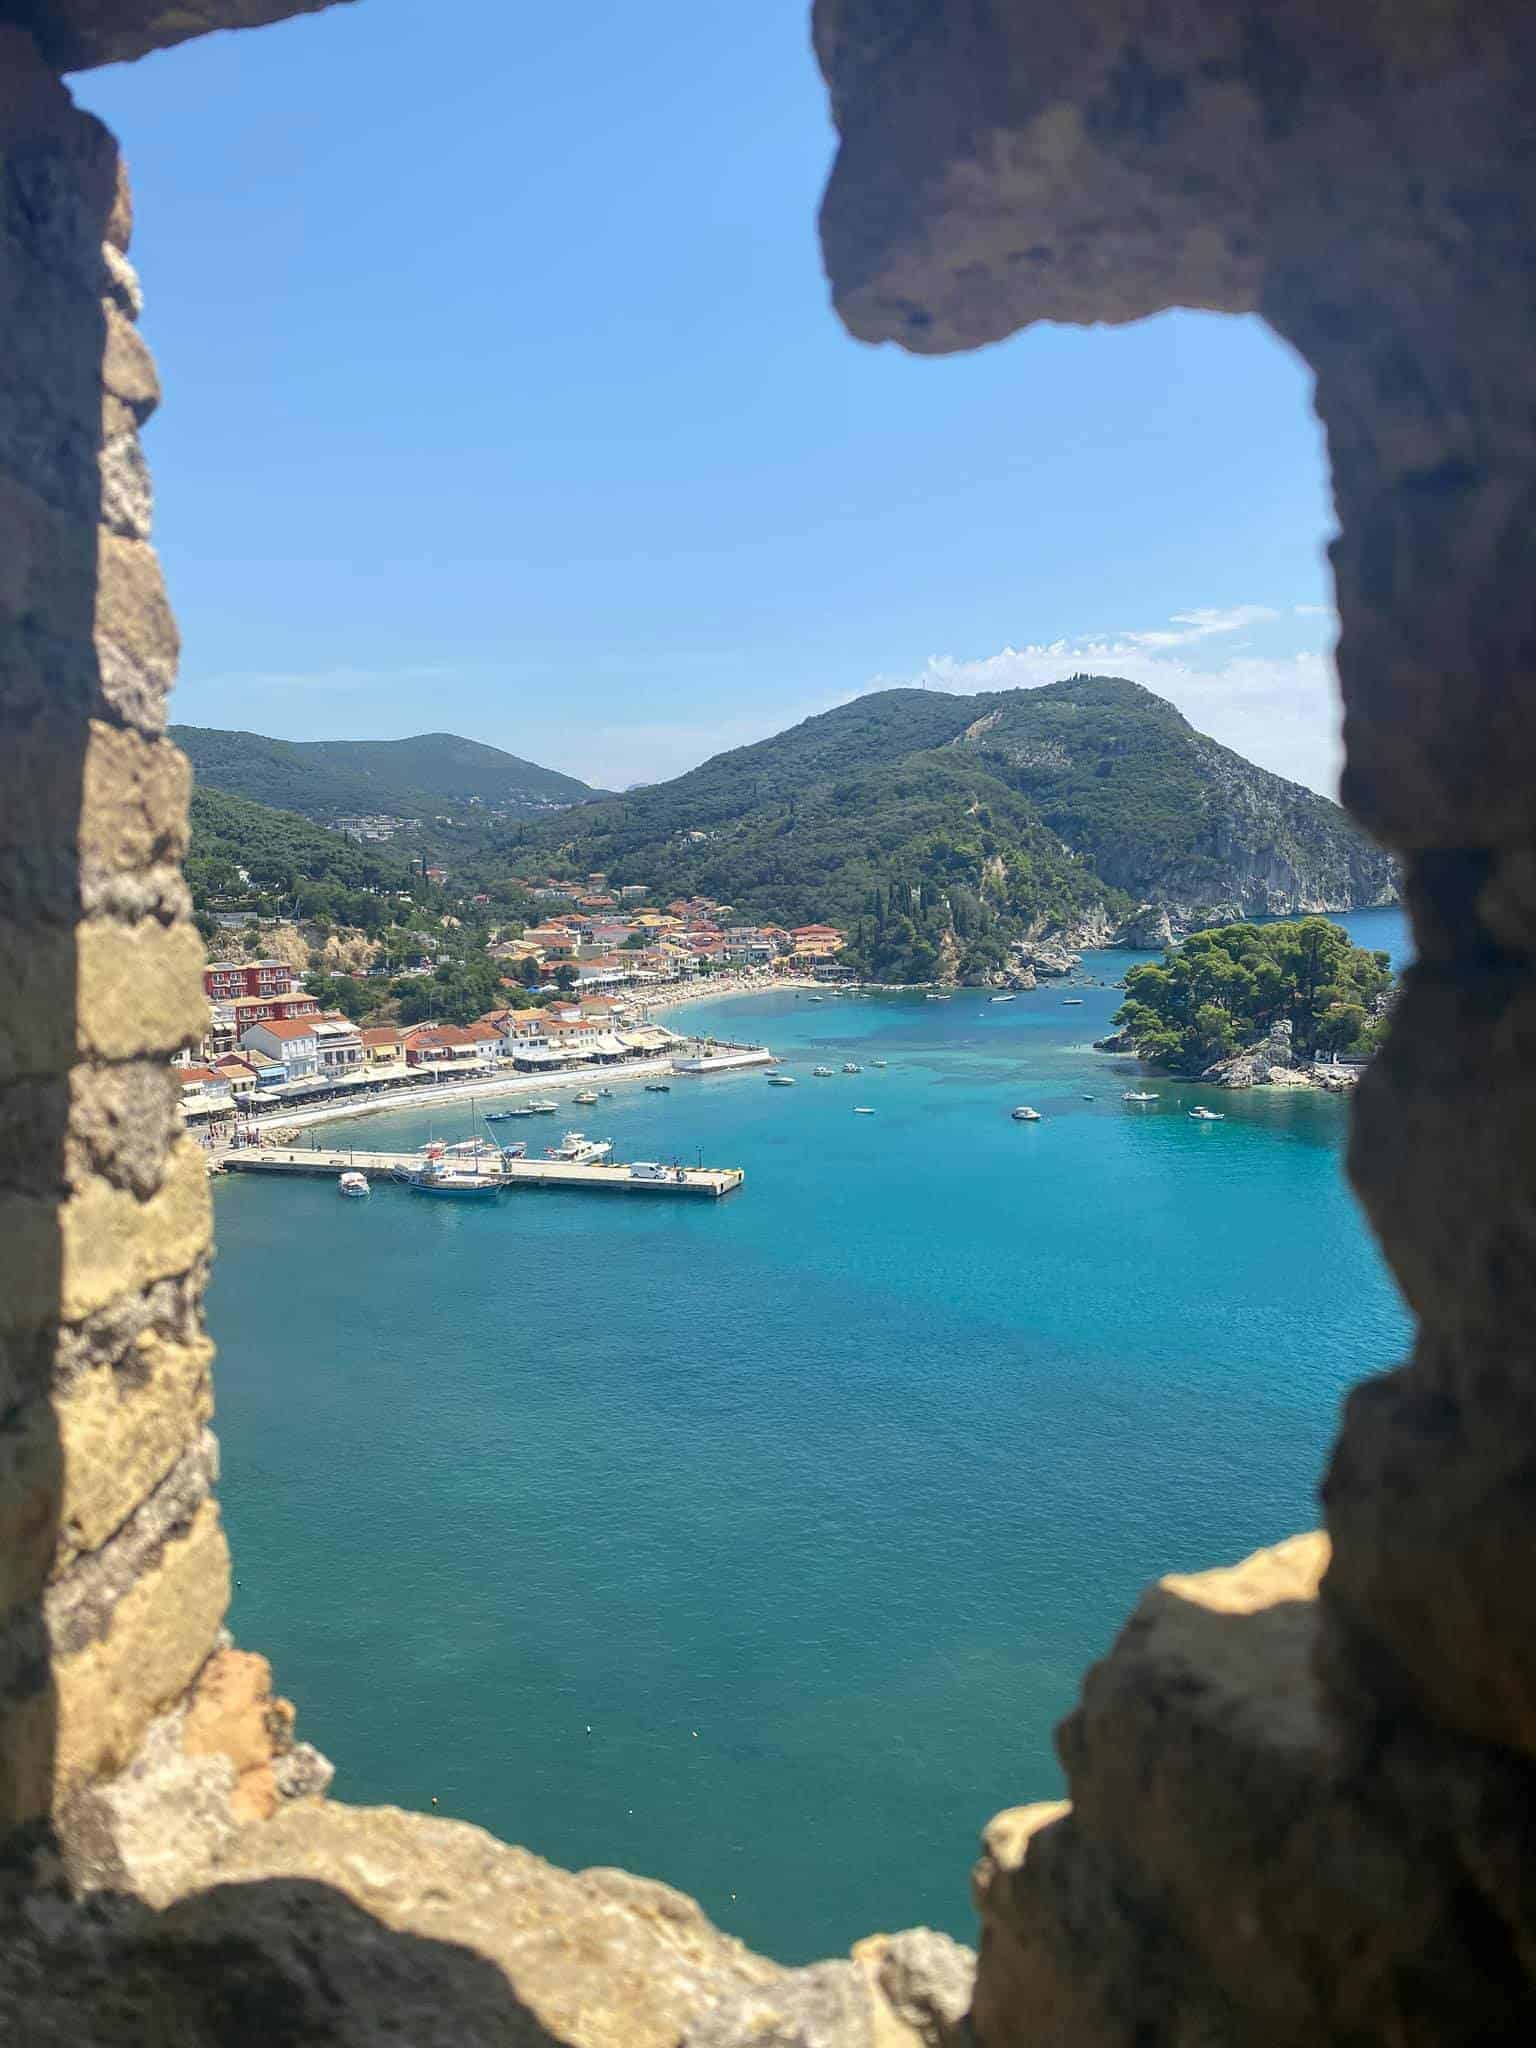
pixel 412 778
pixel 1054 805
pixel 244 855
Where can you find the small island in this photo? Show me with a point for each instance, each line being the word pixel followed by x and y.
pixel 1246 1005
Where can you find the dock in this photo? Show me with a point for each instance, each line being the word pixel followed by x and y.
pixel 710 1181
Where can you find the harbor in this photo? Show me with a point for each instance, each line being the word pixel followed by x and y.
pixel 384 1168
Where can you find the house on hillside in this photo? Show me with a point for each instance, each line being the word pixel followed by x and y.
pixel 338 1045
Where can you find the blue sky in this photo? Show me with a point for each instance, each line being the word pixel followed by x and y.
pixel 504 398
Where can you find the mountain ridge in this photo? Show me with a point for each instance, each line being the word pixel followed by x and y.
pixel 922 788
pixel 415 777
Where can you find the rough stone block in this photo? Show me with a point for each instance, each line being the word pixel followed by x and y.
pixel 123 1122
pixel 593 1960
pixel 233 1714
pixel 135 635
pixel 111 1243
pixel 140 988
pixel 1429 1502
pixel 133 811
pixel 157 1635
pixel 127 367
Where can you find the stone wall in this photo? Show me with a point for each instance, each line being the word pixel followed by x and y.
pixel 1299 1786
pixel 1294 1783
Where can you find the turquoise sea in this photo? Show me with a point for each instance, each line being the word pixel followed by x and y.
pixel 758 1545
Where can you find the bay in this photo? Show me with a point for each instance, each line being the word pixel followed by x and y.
pixel 759 1545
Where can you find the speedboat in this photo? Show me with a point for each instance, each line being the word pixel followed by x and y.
pixel 517 1109
pixel 852 1067
pixel 861 1111
pixel 586 1097
pixel 1137 1095
pixel 823 1073
pixel 498 1116
pixel 781 1080
pixel 543 1109
pixel 353 1184
pixel 1004 999
pixel 658 1087
pixel 877 1063
pixel 509 1153
pixel 936 995
pixel 1202 1115
pixel 1026 1116
pixel 1068 1001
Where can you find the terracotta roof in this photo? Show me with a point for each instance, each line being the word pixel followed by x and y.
pixel 192 1077
pixel 381 1034
pixel 286 1027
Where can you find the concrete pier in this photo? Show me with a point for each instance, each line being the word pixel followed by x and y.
pixel 711 1181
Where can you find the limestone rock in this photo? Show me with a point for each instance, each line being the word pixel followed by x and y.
pixel 909 1990
pixel 598 1959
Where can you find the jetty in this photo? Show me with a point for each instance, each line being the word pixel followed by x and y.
pixel 328 1163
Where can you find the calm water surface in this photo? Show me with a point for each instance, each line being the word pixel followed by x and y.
pixel 758 1545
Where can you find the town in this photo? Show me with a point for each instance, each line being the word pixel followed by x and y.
pixel 582 988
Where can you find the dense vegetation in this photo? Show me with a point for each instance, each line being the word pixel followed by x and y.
pixel 1223 990
pixel 939 828
pixel 1124 778
pixel 415 778
pixel 244 856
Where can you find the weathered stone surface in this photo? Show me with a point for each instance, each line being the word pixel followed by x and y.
pixel 927 1980
pixel 77 34
pixel 592 1960
pixel 111 1243
pixel 116 1643
pixel 136 640
pixel 1248 1850
pixel 123 1124
pixel 233 1713
pixel 910 1990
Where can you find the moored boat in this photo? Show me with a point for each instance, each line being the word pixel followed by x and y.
pixel 781 1080
pixel 1201 1115
pixel 1137 1095
pixel 823 1073
pixel 354 1185
pixel 1024 1115
pixel 585 1097
pixel 852 1067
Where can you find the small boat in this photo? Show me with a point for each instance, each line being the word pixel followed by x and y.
pixel 1202 1115
pixel 936 995
pixel 1087 1098
pixel 823 1073
pixel 1026 1116
pixel 1137 1095
pixel 818 999
pixel 781 1080
pixel 658 1087
pixel 498 1116
pixel 353 1184
pixel 543 1109
pixel 577 1149
pixel 1004 999
pixel 852 1067
pixel 585 1097
pixel 877 1063
pixel 517 1109
pixel 512 1152
pixel 601 1091
pixel 1068 1001
pixel 861 1111
pixel 436 1179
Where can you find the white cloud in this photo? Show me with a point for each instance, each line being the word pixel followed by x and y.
pixel 1278 710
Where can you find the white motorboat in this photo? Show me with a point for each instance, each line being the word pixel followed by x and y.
pixel 1202 1115
pixel 1137 1095
pixel 1023 1115
pixel 878 1063
pixel 1068 1001
pixel 353 1184
pixel 861 1111
pixel 1004 999
pixel 586 1097
pixel 823 1073
pixel 936 995
pixel 577 1149
pixel 781 1080
pixel 543 1109
pixel 852 1067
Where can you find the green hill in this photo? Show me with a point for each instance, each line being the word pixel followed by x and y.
pixel 246 856
pixel 1062 806
pixel 415 778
